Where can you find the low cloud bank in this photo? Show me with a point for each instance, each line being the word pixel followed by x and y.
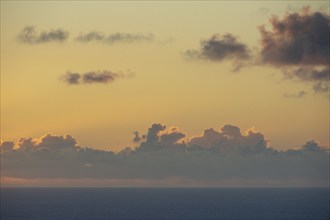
pixel 216 156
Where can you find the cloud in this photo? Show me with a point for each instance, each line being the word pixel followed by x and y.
pixel 171 136
pixel 297 39
pixel 221 47
pixel 72 78
pixel 152 135
pixel 93 77
pixel 218 156
pixel 299 43
pixel 29 35
pixel 115 37
pixel 6 146
pixel 96 36
pixel 299 94
pixel 137 138
pixel 160 138
pixel 308 74
pixel 319 77
pixel 321 87
pixel 229 140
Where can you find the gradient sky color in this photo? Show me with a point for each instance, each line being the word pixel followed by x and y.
pixel 166 87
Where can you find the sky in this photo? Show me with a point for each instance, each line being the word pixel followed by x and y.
pixel 88 78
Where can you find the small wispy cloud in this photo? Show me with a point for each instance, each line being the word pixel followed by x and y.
pixel 115 37
pixel 29 35
pixel 94 77
pixel 308 74
pixel 321 87
pixel 299 94
pixel 319 77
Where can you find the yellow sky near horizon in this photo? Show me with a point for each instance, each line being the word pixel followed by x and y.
pixel 166 88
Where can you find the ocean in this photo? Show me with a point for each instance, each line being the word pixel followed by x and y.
pixel 165 203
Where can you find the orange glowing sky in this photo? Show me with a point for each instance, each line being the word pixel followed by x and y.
pixel 166 88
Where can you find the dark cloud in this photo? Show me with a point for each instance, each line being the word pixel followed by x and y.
pixel 115 37
pixel 299 94
pixel 297 39
pixel 29 35
pixel 152 135
pixel 93 77
pixel 218 155
pixel 221 47
pixel 299 43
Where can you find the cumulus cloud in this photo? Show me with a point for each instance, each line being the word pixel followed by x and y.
pixel 228 140
pixel 29 35
pixel 115 37
pixel 299 43
pixel 221 47
pixel 94 77
pixel 171 136
pixel 159 137
pixel 216 155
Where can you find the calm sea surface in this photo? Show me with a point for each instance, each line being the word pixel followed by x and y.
pixel 159 203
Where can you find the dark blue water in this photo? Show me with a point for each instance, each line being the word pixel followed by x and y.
pixel 154 204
